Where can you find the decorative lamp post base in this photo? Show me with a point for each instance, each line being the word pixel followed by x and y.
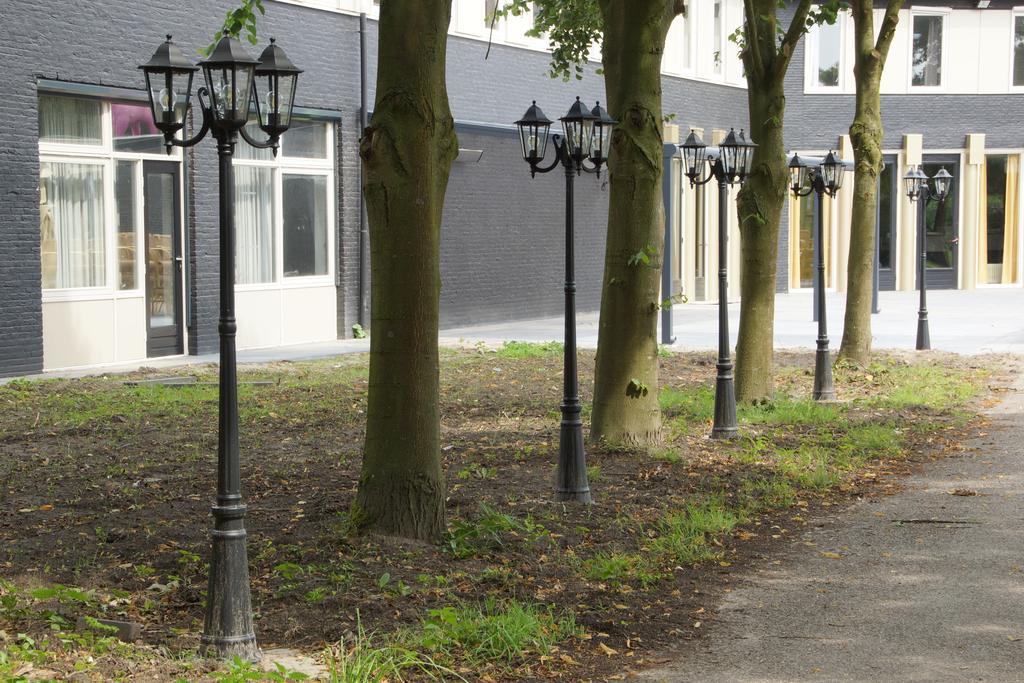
pixel 228 631
pixel 824 389
pixel 924 342
pixel 572 484
pixel 725 426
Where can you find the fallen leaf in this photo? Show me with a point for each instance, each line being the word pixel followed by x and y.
pixel 831 555
pixel 962 492
pixel 607 650
pixel 46 508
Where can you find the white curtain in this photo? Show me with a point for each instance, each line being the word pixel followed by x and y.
pixel 71 231
pixel 254 225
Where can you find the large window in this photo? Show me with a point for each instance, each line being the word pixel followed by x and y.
pixel 90 205
pixel 998 235
pixel 1018 50
pixel 926 50
pixel 283 206
pixel 828 54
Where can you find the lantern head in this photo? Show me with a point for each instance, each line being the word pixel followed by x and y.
pixel 534 128
pixel 578 124
pixel 799 174
pixel 695 152
pixel 169 84
pixel 603 124
pixel 943 181
pixel 913 182
pixel 229 75
pixel 832 171
pixel 274 90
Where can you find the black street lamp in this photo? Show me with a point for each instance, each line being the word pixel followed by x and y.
pixel 729 163
pixel 820 176
pixel 587 138
pixel 915 183
pixel 226 101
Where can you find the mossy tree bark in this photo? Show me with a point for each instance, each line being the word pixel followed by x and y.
pixel 407 151
pixel 760 201
pixel 866 137
pixel 626 409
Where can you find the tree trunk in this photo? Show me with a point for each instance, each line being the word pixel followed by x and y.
pixel 866 137
pixel 626 409
pixel 407 152
pixel 760 210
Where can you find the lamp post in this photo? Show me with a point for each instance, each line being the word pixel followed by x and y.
pixel 820 176
pixel 729 163
pixel 235 85
pixel 586 138
pixel 915 183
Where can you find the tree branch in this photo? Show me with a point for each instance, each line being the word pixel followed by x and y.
pixel 797 28
pixel 750 16
pixel 888 30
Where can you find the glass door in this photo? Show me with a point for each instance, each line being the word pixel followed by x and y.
pixel 162 194
pixel 941 227
pixel 885 238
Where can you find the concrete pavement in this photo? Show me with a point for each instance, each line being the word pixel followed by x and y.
pixel 966 322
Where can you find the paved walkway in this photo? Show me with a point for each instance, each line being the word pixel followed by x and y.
pixel 929 585
pixel 967 322
pixel 978 321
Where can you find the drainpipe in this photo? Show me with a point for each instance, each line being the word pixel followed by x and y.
pixel 364 235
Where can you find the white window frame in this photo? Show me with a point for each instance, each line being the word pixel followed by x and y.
pixel 944 13
pixel 283 165
pixel 1017 12
pixel 104 155
pixel 811 54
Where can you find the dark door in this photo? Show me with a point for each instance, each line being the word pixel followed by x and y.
pixel 942 229
pixel 885 238
pixel 162 193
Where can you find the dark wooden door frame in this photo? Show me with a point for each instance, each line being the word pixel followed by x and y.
pixel 166 340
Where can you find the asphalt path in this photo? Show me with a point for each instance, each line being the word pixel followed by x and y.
pixel 923 585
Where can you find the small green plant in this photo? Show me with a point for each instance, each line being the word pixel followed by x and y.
pixel 693 404
pixel 478 471
pixel 501 633
pixel 687 536
pixel 621 568
pixel 669 455
pixel 489 532
pixel 239 671
pixel 358 332
pixel 523 349
pixel 593 472
pixel 361 660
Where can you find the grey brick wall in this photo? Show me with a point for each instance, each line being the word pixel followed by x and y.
pixel 502 239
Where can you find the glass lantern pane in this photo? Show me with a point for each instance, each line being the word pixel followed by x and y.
pixel 587 139
pixel 572 134
pixel 242 89
pixel 284 99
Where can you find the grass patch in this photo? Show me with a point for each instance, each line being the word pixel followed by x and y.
pixel 788 411
pixel 686 537
pixel 522 349
pixel 696 404
pixel 498 632
pixel 489 532
pixel 621 568
pixel 766 493
pixel 923 385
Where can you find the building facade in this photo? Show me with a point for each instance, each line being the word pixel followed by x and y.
pixel 110 245
pixel 951 98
